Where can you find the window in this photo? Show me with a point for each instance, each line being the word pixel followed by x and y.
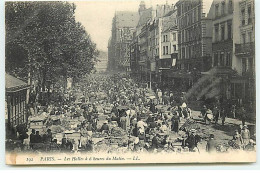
pixel 223 5
pixel 174 36
pixel 187 52
pixel 188 19
pixel 216 10
pixel 243 16
pixel 250 65
pixel 221 59
pixel 199 13
pixel 243 38
pixel 229 31
pixel 249 14
pixel 165 50
pixel 174 48
pixel 216 33
pixel 222 32
pixel 228 60
pixel 190 49
pixel 215 59
pixel 230 6
pixel 182 37
pixel 250 37
pixel 187 36
pixel 165 38
pixel 244 65
pixel 179 37
pixel 183 53
pixel 195 15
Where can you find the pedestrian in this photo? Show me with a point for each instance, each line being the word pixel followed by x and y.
pixel 211 144
pixel 223 116
pixel 38 138
pixel 32 137
pixel 191 140
pixel 237 138
pixel 245 134
pixel 141 124
pixel 208 117
pixel 216 114
pixel 123 122
pixel 203 111
pixel 89 129
pixel 105 128
pixel 155 142
pixel 243 115
pixel 175 122
pixel 49 136
pixel 164 128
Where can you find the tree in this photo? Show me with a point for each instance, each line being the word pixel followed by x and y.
pixel 45 43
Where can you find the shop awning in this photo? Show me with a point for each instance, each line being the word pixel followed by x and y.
pixel 171 74
pixel 12 84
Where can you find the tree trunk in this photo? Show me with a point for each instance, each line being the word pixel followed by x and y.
pixel 29 82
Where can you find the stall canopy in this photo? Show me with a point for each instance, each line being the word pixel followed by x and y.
pixel 13 84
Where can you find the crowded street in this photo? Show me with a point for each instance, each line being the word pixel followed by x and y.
pixel 114 114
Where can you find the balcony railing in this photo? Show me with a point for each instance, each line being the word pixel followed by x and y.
pixel 245 49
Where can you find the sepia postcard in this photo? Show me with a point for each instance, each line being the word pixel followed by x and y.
pixel 130 82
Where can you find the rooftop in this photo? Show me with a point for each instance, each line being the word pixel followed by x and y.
pixel 12 84
pixel 126 19
pixel 147 15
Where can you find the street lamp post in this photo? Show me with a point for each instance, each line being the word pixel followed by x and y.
pixel 150 80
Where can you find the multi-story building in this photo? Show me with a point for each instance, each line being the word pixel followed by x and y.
pixel 167 49
pixel 123 26
pixel 222 34
pixel 142 33
pixel 134 57
pixel 243 62
pixel 194 36
pixel 231 77
pixel 194 19
pixel 149 47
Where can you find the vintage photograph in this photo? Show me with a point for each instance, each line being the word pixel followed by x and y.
pixel 140 81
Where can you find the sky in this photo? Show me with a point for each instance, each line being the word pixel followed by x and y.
pixel 97 16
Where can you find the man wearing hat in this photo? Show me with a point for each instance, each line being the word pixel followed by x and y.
pixel 203 111
pixel 191 140
pixel 245 134
pixel 237 139
pixel 155 142
pixel 105 127
pixel 175 122
pixel 211 144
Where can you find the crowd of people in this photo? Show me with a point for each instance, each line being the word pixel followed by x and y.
pixel 147 120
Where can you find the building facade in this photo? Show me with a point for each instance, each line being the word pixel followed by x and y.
pixel 242 88
pixel 232 76
pixel 194 36
pixel 123 26
pixel 233 50
pixel 155 40
pixel 16 106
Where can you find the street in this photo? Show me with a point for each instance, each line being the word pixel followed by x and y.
pixel 111 113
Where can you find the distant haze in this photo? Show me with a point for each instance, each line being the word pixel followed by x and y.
pixel 97 16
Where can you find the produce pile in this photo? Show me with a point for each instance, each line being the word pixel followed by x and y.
pixel 189 124
pixel 117 132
